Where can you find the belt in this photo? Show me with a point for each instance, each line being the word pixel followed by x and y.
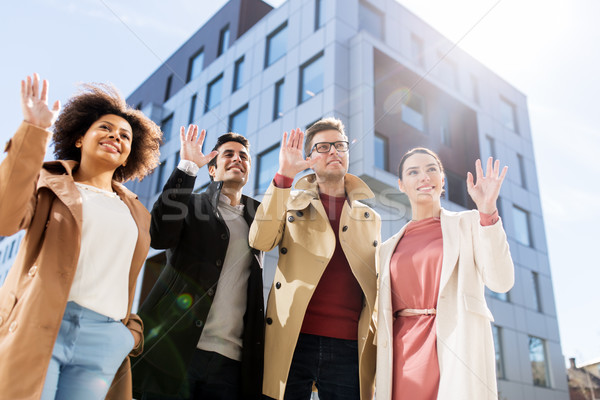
pixel 411 312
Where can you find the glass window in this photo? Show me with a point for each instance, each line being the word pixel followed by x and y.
pixel 192 114
pixel 196 64
pixel 238 121
pixel 417 50
pixel 319 13
pixel 166 126
pixel 238 74
pixel 521 221
pixel 499 296
pixel 508 115
pixel 168 87
pixel 381 152
pixel 276 44
pixel 535 286
pixel 539 362
pixel 159 177
pixel 490 147
pixel 214 92
pixel 223 40
pixel 268 164
pixel 370 20
pixel 497 332
pixel 311 78
pixel 278 100
pixel 457 189
pixel 522 175
pixel 413 112
pixel 445 130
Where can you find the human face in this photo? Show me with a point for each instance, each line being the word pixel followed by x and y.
pixel 233 164
pixel 107 142
pixel 332 165
pixel 422 179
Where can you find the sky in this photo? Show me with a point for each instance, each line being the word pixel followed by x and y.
pixel 546 49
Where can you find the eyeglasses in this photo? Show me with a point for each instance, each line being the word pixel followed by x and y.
pixel 325 147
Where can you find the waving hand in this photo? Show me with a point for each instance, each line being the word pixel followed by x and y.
pixel 35 104
pixel 291 161
pixel 485 192
pixel 191 146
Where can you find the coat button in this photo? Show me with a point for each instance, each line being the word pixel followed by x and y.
pixel 199 323
pixel 12 327
pixel 172 196
pixel 219 263
pixel 210 292
pixel 224 236
pixel 277 285
pixel 269 320
pixel 375 242
pixel 283 250
pixel 291 218
pixel 299 213
pixel 32 271
pixel 178 186
pixel 345 228
pixel 367 215
pixel 179 180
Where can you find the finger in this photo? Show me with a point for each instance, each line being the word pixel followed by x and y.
pixel 201 137
pixel 469 181
pixel 210 156
pixel 44 95
pixel 35 86
pixel 300 139
pixel 478 170
pixel 182 134
pixel 56 106
pixel 294 140
pixel 28 87
pixel 496 168
pixel 193 132
pixel 503 174
pixel 284 140
pixel 488 168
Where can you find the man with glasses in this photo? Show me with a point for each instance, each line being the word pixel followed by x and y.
pixel 319 314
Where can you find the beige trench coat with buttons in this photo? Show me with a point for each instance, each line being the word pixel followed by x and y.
pixel 296 222
pixel 45 201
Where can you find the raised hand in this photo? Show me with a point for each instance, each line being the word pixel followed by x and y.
pixel 35 104
pixel 485 192
pixel 291 160
pixel 191 146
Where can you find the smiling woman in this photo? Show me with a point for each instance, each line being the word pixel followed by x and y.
pixel 65 293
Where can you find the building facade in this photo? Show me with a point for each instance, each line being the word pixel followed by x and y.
pixel 396 83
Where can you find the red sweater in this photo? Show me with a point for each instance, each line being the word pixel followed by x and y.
pixel 336 303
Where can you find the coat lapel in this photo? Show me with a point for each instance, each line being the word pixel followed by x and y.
pixel 451 245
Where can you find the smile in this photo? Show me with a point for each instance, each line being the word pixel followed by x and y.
pixel 110 147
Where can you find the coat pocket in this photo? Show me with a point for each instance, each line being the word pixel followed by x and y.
pixel 7 303
pixel 474 305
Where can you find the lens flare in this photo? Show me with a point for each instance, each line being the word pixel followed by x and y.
pixel 184 301
pixel 393 103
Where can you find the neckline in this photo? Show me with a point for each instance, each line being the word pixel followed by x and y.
pixel 96 190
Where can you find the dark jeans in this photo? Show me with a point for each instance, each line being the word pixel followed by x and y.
pixel 332 364
pixel 210 376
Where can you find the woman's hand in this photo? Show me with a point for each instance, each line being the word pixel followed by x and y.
pixel 35 104
pixel 291 161
pixel 485 192
pixel 191 146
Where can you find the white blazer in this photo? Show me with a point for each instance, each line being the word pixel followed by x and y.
pixel 473 256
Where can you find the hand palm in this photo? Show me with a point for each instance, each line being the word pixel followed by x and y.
pixel 35 104
pixel 485 192
pixel 191 146
pixel 291 159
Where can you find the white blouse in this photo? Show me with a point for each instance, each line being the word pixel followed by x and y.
pixel 108 237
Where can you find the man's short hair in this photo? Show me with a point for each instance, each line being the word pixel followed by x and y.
pixel 325 124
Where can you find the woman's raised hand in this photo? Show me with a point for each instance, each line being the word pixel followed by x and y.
pixel 35 103
pixel 291 160
pixel 191 146
pixel 485 192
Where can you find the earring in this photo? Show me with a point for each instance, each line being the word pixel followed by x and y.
pixel 124 164
pixel 78 144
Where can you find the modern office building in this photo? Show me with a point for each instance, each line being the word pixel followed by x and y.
pixel 396 83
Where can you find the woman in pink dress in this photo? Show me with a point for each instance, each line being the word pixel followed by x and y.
pixel 434 339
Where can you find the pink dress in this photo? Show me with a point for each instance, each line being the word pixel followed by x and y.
pixel 415 270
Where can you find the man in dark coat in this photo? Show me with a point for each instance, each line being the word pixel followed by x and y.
pixel 204 318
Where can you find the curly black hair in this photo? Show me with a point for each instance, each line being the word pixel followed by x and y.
pixel 86 107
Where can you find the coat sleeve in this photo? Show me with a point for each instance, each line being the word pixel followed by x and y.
pixel 171 209
pixel 19 173
pixel 267 228
pixel 492 255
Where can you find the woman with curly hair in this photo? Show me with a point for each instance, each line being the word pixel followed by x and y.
pixel 65 321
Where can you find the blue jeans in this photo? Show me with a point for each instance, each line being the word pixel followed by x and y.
pixel 89 349
pixel 332 364
pixel 210 376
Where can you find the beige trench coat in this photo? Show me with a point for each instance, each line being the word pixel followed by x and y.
pixel 46 202
pixel 296 222
pixel 474 256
